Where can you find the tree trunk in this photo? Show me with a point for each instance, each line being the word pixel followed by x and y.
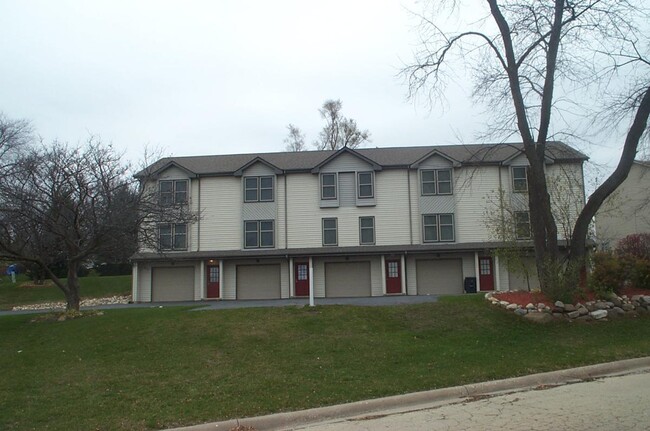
pixel 72 292
pixel 579 236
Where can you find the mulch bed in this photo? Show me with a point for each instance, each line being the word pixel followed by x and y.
pixel 523 298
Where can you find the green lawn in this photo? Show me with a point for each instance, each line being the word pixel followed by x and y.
pixel 91 287
pixel 153 368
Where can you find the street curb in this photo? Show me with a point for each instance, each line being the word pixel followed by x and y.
pixel 289 420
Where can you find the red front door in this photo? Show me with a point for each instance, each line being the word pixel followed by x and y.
pixel 393 277
pixel 302 278
pixel 213 281
pixel 486 277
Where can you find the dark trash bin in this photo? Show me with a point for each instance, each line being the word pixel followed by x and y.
pixel 470 284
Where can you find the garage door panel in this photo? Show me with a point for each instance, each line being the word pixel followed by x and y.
pixel 439 276
pixel 172 284
pixel 347 279
pixel 258 281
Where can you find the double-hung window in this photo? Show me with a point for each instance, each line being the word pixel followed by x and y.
pixel 522 224
pixel 365 186
pixel 173 192
pixel 258 189
pixel 366 230
pixel 438 227
pixel 172 236
pixel 259 234
pixel 436 182
pixel 520 179
pixel 330 231
pixel 328 189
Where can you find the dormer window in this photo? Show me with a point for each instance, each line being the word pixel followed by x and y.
pixel 328 186
pixel 436 182
pixel 258 189
pixel 520 179
pixel 365 187
pixel 173 192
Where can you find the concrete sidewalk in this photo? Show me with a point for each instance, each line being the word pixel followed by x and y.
pixel 396 412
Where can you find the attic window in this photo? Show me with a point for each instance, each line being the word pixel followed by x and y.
pixel 173 192
pixel 520 179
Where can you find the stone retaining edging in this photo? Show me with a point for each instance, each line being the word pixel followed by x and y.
pixel 616 306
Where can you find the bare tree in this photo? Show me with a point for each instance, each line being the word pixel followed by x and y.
pixel 15 136
pixel 69 204
pixel 520 55
pixel 295 140
pixel 339 131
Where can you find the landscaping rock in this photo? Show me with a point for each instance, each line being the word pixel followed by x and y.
pixel 583 311
pixel 636 298
pixel 601 305
pixel 586 318
pixel 559 304
pixel 573 314
pixel 569 308
pixel 627 307
pixel 642 310
pixel 616 301
pixel 530 306
pixel 512 307
pixel 646 299
pixel 521 311
pixel 541 305
pixel 598 314
pixel 504 303
pixel 84 303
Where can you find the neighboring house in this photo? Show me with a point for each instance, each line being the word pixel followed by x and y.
pixel 627 210
pixel 364 222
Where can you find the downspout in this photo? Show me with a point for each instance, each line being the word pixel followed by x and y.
pixel 286 214
pixel 198 222
pixel 408 182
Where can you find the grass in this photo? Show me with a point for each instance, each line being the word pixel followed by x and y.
pixel 91 287
pixel 155 368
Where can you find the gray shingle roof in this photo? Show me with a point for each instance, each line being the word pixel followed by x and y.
pixel 386 157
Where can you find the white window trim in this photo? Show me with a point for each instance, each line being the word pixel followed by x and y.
pixel 372 185
pixel 173 237
pixel 438 228
pixel 512 175
pixel 374 236
pixel 258 231
pixel 335 229
pixel 335 185
pixel 258 187
pixel 173 191
pixel 436 182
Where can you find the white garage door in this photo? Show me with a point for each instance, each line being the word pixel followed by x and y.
pixel 258 281
pixel 441 276
pixel 172 284
pixel 347 279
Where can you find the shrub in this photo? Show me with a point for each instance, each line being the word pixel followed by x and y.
pixel 637 245
pixel 608 274
pixel 633 252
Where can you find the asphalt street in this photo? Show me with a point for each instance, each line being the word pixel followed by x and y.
pixel 610 403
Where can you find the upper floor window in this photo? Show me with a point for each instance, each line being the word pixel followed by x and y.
pixel 520 179
pixel 366 230
pixel 258 189
pixel 173 192
pixel 330 231
pixel 438 227
pixel 172 236
pixel 328 186
pixel 365 187
pixel 436 182
pixel 259 234
pixel 522 225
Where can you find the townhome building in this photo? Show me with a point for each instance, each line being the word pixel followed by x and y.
pixel 347 223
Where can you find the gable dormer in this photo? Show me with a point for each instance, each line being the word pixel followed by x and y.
pixel 347 178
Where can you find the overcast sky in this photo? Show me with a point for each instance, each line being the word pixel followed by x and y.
pixel 217 77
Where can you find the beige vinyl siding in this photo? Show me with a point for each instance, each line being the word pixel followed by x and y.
pixel 391 211
pixel 475 189
pixel 346 162
pixel 221 211
pixel 304 215
pixel 416 215
pixel 504 277
pixel 627 211
pixel 517 278
pixel 567 195
pixel 144 283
